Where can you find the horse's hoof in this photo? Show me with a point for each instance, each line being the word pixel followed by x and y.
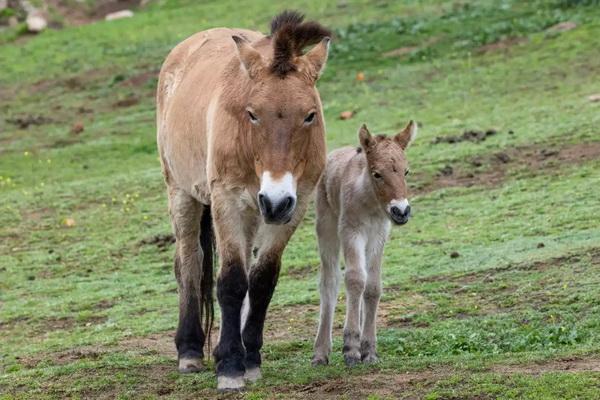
pixel 370 359
pixel 351 360
pixel 253 374
pixel 317 360
pixel 230 383
pixel 190 365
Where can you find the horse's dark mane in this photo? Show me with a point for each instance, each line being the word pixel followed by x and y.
pixel 290 36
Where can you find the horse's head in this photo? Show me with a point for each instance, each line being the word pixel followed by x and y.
pixel 388 167
pixel 283 112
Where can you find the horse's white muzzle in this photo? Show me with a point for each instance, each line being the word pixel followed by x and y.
pixel 399 211
pixel 277 198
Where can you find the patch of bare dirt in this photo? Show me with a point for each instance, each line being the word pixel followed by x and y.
pixel 141 79
pixel 502 45
pixel 25 121
pixel 127 102
pixel 572 364
pixel 414 385
pixel 74 14
pixel 162 241
pixel 534 159
pixel 475 136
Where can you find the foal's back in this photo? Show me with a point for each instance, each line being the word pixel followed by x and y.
pixel 344 166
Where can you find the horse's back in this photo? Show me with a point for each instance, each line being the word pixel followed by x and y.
pixel 189 81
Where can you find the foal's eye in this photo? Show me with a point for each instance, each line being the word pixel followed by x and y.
pixel 406 171
pixel 376 175
pixel 253 118
pixel 311 117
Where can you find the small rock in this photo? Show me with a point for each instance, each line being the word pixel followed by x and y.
pixel 36 22
pixel 540 245
pixel 118 15
pixel 562 27
pixel 346 115
pixel 13 21
pixel 454 254
pixel 77 128
pixel 594 98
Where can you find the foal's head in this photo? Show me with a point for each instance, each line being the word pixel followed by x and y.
pixel 283 110
pixel 388 167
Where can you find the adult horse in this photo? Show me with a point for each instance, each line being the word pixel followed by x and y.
pixel 241 138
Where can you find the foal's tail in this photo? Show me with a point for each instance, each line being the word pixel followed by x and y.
pixel 207 242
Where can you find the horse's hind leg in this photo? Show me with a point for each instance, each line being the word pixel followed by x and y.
pixel 329 249
pixel 186 213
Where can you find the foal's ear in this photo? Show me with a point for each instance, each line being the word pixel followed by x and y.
pixel 407 135
pixel 365 138
pixel 317 58
pixel 251 59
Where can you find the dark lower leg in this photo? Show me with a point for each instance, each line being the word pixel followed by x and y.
pixel 263 278
pixel 232 286
pixel 189 338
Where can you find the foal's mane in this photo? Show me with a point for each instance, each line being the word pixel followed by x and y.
pixel 290 36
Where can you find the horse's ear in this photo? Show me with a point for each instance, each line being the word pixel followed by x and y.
pixel 365 138
pixel 317 58
pixel 251 59
pixel 407 135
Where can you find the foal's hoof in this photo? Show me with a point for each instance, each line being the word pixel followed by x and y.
pixel 319 360
pixel 370 358
pixel 252 374
pixel 190 365
pixel 230 383
pixel 351 360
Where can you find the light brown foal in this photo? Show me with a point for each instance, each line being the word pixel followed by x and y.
pixel 360 194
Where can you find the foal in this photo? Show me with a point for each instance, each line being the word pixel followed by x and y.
pixel 360 193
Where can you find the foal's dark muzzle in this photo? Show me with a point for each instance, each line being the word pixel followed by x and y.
pixel 398 216
pixel 276 212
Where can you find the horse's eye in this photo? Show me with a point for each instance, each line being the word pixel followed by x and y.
pixel 252 117
pixel 310 118
pixel 406 171
pixel 376 175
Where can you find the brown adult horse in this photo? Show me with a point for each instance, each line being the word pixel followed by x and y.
pixel 241 135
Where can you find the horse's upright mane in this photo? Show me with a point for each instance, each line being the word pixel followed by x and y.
pixel 290 36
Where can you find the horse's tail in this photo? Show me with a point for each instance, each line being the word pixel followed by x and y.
pixel 207 243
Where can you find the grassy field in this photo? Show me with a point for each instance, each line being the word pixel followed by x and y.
pixel 491 291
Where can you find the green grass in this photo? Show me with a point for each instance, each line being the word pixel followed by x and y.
pixel 89 311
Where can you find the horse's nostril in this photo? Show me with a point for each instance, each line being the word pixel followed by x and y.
pixel 407 211
pixel 264 203
pixel 396 211
pixel 289 202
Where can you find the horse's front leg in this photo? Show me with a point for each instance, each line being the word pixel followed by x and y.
pixel 232 285
pixel 270 241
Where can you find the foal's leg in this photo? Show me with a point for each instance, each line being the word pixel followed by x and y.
pixel 232 285
pixel 271 240
pixel 329 249
pixel 371 296
pixel 185 217
pixel 354 255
